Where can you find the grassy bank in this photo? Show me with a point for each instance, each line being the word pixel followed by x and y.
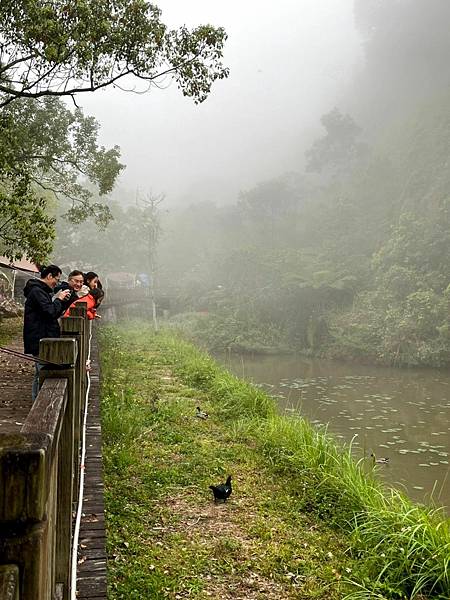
pixel 304 521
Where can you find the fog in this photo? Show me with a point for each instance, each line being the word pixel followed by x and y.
pixel 307 200
pixel 307 212
pixel 288 65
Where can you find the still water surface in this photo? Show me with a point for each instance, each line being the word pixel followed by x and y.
pixel 400 414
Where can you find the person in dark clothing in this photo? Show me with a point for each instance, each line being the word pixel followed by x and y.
pixel 41 314
pixel 74 284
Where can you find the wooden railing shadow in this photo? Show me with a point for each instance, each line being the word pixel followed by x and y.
pixel 39 473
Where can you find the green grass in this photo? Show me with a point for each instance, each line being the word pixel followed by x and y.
pixel 10 328
pixel 304 520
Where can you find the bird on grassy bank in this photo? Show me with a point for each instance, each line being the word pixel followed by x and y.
pixel 379 461
pixel 201 414
pixel 222 491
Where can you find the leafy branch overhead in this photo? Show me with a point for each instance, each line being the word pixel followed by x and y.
pixel 51 49
pixel 58 48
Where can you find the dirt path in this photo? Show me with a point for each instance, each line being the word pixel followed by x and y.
pixel 16 376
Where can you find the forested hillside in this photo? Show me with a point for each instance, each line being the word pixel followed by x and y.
pixel 348 256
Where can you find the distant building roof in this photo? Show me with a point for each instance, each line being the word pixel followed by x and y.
pixel 20 265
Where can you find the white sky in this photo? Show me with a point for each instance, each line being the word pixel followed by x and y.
pixel 289 61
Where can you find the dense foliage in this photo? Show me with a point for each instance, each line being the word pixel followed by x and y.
pixel 58 48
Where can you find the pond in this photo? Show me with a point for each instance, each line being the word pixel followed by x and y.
pixel 403 415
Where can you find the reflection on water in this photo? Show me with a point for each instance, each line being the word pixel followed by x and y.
pixel 400 414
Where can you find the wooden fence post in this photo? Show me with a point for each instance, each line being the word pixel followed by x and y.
pixel 74 327
pixel 64 351
pixel 80 310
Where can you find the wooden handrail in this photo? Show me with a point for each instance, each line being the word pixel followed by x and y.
pixel 39 468
pixel 29 502
pixel 25 458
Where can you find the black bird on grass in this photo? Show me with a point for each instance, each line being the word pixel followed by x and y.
pixel 222 491
pixel 201 414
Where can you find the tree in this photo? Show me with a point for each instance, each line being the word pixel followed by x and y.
pixel 44 150
pixel 151 226
pixel 339 148
pixel 62 48
pixel 59 48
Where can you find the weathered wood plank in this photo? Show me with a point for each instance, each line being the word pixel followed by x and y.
pixel 33 453
pixel 97 553
pixel 24 475
pixel 94 542
pixel 9 582
pixel 37 460
pixel 47 412
pixel 92 587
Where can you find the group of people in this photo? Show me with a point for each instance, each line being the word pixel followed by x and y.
pixel 48 299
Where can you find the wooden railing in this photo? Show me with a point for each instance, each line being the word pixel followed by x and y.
pixel 39 473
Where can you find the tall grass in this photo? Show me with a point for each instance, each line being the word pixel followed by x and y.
pixel 408 544
pixel 232 396
pixel 404 548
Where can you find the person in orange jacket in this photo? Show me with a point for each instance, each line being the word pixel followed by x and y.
pixel 93 300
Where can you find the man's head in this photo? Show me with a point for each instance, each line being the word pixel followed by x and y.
pixel 51 275
pixel 75 280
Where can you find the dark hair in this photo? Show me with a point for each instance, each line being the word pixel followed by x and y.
pixel 52 270
pixel 89 277
pixel 75 273
pixel 97 294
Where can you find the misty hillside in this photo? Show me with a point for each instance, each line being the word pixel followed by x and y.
pixel 346 256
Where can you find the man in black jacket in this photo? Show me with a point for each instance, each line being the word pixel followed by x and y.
pixel 41 314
